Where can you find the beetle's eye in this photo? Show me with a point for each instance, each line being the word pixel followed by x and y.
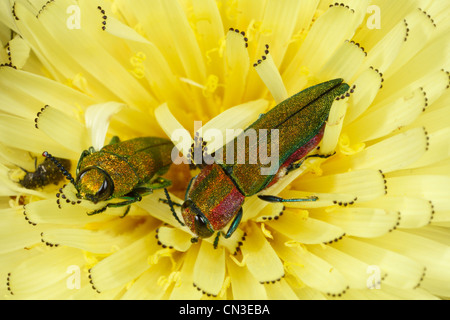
pixel 202 226
pixel 95 185
pixel 105 190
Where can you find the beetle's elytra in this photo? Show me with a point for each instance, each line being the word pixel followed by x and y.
pixel 214 197
pixel 125 170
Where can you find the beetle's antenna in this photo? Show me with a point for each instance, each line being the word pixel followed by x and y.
pixel 169 201
pixel 60 166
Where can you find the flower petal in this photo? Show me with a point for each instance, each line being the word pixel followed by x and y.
pixel 36 278
pixel 310 269
pixel 15 233
pixel 333 127
pixel 434 188
pixel 363 184
pixel 174 238
pixel 209 30
pixel 419 32
pixel 261 259
pixel 46 211
pixel 271 77
pixel 238 63
pixel 71 52
pixel 414 212
pixel 328 32
pixel 421 71
pixel 434 255
pixel 361 222
pixel 306 230
pixel 173 129
pixel 88 240
pixel 354 270
pixel 97 121
pixel 124 265
pixel 437 149
pixel 386 50
pixel 209 269
pixel 38 91
pixel 161 211
pixel 28 138
pixel 366 87
pixel 20 52
pixel 304 292
pixel 344 63
pixel 182 38
pixel 384 118
pixel 184 289
pixel 387 266
pixel 141 290
pixel 280 290
pixel 63 128
pixel 220 129
pixel 388 155
pixel 243 285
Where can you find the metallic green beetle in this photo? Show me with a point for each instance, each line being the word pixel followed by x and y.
pixel 125 170
pixel 214 197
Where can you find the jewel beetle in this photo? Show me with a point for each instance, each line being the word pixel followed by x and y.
pixel 44 174
pixel 214 197
pixel 126 170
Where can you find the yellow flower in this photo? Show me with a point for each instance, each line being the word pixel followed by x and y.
pixel 90 70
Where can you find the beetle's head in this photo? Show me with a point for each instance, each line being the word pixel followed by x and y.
pixel 196 220
pixel 94 184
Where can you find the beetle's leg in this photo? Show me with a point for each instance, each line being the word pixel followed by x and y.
pixel 115 205
pixel 234 224
pixel 35 163
pixel 130 198
pixel 91 213
pixel 170 203
pixel 160 183
pixel 216 240
pixel 126 211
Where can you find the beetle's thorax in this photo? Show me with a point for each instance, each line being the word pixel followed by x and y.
pixel 215 195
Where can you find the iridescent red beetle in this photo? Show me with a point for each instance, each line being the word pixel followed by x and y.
pixel 214 198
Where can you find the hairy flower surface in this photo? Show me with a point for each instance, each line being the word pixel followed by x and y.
pixel 75 74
